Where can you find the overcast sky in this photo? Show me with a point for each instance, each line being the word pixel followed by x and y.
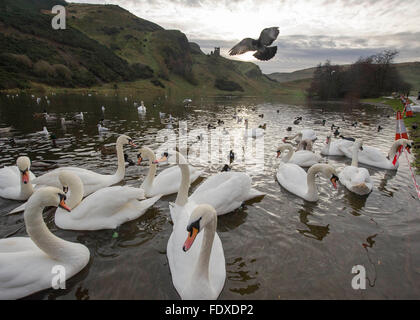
pixel 311 31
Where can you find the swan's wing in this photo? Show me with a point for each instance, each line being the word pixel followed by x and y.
pixel 293 178
pixel 308 134
pixel 268 36
pixel 224 191
pixel 371 154
pixel 305 158
pixel 9 176
pixel 244 46
pixel 169 180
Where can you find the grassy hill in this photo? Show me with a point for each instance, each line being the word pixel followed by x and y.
pixel 410 72
pixel 105 47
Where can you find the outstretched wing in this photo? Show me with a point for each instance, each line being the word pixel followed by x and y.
pixel 268 35
pixel 244 46
pixel 266 53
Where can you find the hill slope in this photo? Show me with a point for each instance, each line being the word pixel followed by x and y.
pixel 105 46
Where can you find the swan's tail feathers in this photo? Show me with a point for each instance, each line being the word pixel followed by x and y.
pixel 254 193
pixel 146 204
pixel 361 188
pixel 18 209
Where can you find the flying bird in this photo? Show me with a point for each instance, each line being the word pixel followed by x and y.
pixel 264 52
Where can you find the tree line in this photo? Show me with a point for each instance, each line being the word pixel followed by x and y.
pixel 368 77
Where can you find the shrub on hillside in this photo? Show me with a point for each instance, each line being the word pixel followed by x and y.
pixel 62 71
pixel 43 69
pixel 20 59
pixel 227 85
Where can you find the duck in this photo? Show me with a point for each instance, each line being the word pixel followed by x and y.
pixel 289 129
pixel 15 181
pixel 106 208
pixel 264 126
pixel 226 168
pixel 261 115
pixel 210 126
pixel 167 181
pixel 331 148
pixel 231 156
pixel 379 128
pixel 294 179
pixel 195 255
pixel 39 255
pixel 356 179
pixel 220 122
pixel 376 158
pixel 347 138
pixel 336 132
pixel 322 122
pixel 303 158
pixel 297 120
pixel 92 181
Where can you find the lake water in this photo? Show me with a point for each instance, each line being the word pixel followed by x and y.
pixel 277 247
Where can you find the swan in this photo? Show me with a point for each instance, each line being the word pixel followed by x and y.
pixel 106 208
pixel 332 148
pixel 294 179
pixel 303 135
pixel 167 181
pixel 26 264
pixel 44 131
pixel 141 108
pixel 205 259
pixel 303 158
pixel 79 116
pixel 15 181
pixel 92 181
pixel 356 179
pixel 304 145
pixel 196 257
pixel 376 158
pixel 253 132
pixel 103 109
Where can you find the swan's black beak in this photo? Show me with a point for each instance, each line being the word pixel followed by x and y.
pixel 334 180
pixel 408 148
pixel 131 143
pixel 278 153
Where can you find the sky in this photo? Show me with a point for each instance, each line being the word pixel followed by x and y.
pixel 311 31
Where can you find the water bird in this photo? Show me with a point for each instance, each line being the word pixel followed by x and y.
pixel 226 168
pixel 261 115
pixel 220 122
pixel 336 132
pixel 347 138
pixel 103 109
pixel 262 126
pixel 187 101
pixel 43 251
pixel 261 45
pixel 354 124
pixel 303 158
pixel 15 181
pixel 231 156
pixel 210 126
pixel 102 129
pixel 297 120
pixel 79 116
pixel 289 129
pixel 379 128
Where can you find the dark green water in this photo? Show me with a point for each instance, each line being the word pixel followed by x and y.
pixel 280 247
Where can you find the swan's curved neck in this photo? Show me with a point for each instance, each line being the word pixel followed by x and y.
pixel 148 182
pixel 201 270
pixel 53 246
pixel 355 156
pixel 121 163
pixel 182 196
pixel 394 148
pixel 76 193
pixel 310 180
pixel 289 154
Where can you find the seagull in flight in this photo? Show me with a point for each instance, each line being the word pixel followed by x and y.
pixel 264 52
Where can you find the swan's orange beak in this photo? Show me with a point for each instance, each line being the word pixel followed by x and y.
pixel 64 205
pixel 164 158
pixel 25 176
pixel 190 239
pixel 334 180
pixel 132 144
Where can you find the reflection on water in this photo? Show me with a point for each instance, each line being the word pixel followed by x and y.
pixel 278 246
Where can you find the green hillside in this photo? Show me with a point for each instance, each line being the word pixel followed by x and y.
pixel 410 72
pixel 105 47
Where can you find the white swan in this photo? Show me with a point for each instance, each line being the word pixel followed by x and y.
pixel 205 262
pixel 303 135
pixel 92 181
pixel 167 181
pixel 106 208
pixel 356 179
pixel 79 116
pixel 303 158
pixel 26 264
pixel 141 108
pixel 375 157
pixel 332 148
pixel 196 258
pixel 15 181
pixel 253 132
pixel 294 179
